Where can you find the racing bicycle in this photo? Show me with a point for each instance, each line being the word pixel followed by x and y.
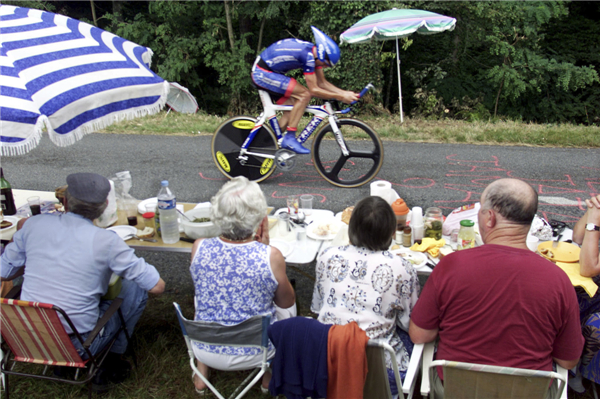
pixel 345 151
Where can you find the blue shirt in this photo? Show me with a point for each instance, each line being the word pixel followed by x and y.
pixel 69 262
pixel 289 54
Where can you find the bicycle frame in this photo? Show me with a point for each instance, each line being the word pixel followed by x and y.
pixel 270 114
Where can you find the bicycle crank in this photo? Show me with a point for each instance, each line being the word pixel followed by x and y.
pixel 285 160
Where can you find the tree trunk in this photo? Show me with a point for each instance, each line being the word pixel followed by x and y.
pixel 229 26
pixel 93 12
pixel 498 98
pixel 260 35
pixel 390 83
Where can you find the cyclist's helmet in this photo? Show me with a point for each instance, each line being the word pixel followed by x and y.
pixel 327 50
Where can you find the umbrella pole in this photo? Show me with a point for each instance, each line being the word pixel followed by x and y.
pixel 399 83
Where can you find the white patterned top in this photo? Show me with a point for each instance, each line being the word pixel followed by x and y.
pixel 232 282
pixel 376 289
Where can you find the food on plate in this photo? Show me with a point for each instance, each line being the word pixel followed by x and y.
pixel 346 214
pixel 395 246
pixel 201 220
pixel 272 222
pixel 4 224
pixel 547 252
pixel 414 259
pixel 325 229
pixel 148 232
pixel 59 207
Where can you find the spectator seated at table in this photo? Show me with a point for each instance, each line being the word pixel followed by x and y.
pixel 500 303
pixel 364 282
pixel 238 275
pixel 67 261
pixel 587 233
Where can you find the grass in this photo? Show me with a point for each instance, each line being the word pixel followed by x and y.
pixel 390 128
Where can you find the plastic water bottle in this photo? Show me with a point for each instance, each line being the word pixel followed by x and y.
pixel 169 225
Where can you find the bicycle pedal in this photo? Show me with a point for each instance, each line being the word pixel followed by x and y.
pixel 285 160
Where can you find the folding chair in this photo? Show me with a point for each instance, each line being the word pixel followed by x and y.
pixel 34 334
pixel 468 380
pixel 377 384
pixel 250 333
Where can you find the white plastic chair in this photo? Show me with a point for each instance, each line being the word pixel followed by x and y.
pixel 377 384
pixel 250 333
pixel 484 381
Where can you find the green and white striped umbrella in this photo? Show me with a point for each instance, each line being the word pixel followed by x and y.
pixel 394 24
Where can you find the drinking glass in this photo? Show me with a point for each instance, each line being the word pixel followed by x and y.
pixel 306 204
pixel 34 205
pixel 292 204
pixel 283 222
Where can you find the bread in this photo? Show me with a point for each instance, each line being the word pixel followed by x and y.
pixel 546 252
pixel 346 214
pixel 148 232
pixel 5 223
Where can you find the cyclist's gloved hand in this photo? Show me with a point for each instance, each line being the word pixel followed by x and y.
pixel 349 96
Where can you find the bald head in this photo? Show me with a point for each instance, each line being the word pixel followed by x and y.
pixel 514 199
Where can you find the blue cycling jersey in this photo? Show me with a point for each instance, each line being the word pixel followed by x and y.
pixel 288 54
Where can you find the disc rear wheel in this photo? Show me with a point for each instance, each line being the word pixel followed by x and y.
pixel 227 143
pixel 363 162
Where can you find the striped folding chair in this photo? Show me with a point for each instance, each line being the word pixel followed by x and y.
pixel 250 333
pixel 35 334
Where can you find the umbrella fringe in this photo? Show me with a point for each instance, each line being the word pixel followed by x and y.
pixel 106 121
pixel 23 147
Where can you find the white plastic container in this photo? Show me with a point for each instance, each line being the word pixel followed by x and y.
pixel 199 230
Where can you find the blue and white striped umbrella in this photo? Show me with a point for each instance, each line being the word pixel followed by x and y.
pixel 68 77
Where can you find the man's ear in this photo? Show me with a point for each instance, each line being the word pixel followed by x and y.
pixel 489 218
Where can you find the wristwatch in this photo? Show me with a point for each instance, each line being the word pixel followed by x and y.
pixel 592 227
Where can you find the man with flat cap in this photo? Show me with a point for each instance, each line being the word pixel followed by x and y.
pixel 67 261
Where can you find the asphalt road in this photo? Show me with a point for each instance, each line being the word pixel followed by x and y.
pixel 443 175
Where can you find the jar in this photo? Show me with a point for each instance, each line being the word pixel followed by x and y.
pixel 433 221
pixel 401 211
pixel 466 235
pixel 407 236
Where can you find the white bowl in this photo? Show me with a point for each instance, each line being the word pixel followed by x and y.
pixel 199 230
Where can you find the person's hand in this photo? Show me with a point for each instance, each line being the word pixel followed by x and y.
pixel 349 96
pixel 262 234
pixel 593 211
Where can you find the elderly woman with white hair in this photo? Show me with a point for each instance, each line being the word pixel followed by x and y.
pixel 238 275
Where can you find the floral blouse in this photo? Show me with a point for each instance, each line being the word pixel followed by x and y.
pixel 232 282
pixel 376 289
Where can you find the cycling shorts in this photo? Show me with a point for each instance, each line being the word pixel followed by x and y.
pixel 279 87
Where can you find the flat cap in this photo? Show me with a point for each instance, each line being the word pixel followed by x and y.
pixel 88 187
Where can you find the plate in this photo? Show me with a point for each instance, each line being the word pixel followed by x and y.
pixel 142 204
pixel 329 226
pixel 564 251
pixel 11 219
pixel 418 259
pixel 123 231
pixel 285 247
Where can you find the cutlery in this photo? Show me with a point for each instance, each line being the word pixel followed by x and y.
pixel 555 243
pixel 183 214
pixel 138 238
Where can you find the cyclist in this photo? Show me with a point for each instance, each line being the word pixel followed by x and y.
pixel 289 54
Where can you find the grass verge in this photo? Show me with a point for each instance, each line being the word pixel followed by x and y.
pixel 390 128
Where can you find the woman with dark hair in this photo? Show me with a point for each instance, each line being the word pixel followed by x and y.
pixel 365 283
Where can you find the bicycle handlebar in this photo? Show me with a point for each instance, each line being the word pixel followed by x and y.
pixel 362 93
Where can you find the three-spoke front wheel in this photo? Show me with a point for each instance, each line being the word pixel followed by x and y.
pixel 227 143
pixel 365 156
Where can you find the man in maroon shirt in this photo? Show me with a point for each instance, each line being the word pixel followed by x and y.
pixel 500 303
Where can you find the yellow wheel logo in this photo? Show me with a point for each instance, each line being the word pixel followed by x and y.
pixel 266 166
pixel 245 125
pixel 223 161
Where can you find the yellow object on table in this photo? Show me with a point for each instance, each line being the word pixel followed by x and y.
pixel 431 245
pixel 572 270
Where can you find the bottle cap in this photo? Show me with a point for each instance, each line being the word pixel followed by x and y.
pixel 467 223
pixel 399 207
pixel 164 183
pixel 417 217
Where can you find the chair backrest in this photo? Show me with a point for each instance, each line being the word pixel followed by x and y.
pixel 35 334
pixel 250 333
pixel 468 380
pixel 377 384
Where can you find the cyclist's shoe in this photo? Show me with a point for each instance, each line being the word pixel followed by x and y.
pixel 289 142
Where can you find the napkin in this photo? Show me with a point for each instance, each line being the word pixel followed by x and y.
pixel 572 270
pixel 431 245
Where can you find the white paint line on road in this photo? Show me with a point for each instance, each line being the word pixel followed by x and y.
pixel 557 201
